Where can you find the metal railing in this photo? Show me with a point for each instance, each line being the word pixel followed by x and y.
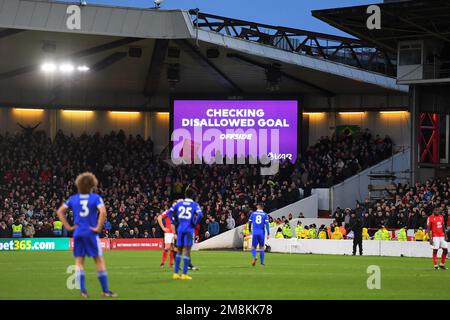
pixel 344 50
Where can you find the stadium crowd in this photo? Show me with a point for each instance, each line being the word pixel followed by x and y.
pixel 408 206
pixel 333 159
pixel 37 174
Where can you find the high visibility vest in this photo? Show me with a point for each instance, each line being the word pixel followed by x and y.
pixel 305 234
pixel 337 235
pixel 379 235
pixel 287 231
pixel 418 236
pixel 386 235
pixel 322 235
pixel 298 231
pixel 279 235
pixel 246 231
pixel 17 230
pixel 401 235
pixel 365 234
pixel 312 233
pixel 272 224
pixel 57 225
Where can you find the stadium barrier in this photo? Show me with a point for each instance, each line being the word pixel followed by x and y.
pixel 34 244
pixel 234 239
pixel 137 244
pixel 106 243
pixel 345 247
pixel 66 244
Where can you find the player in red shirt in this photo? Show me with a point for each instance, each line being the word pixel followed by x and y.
pixel 438 239
pixel 166 225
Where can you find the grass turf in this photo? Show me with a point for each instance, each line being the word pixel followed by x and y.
pixel 225 275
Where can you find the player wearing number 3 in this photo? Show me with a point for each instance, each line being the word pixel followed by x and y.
pixel 86 229
pixel 183 215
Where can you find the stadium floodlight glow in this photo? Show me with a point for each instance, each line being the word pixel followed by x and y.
pixel 394 112
pixel 352 113
pixel 313 113
pixel 163 113
pixel 78 111
pixel 83 68
pixel 66 68
pixel 125 112
pixel 48 67
pixel 28 110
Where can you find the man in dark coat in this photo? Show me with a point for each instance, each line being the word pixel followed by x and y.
pixel 356 227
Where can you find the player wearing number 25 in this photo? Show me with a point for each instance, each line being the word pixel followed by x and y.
pixel 185 215
pixel 85 205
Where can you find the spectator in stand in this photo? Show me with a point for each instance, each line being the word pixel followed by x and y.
pixel 336 158
pixel 230 221
pixel 213 227
pixel 29 231
pixel 37 174
pixel 5 231
pixel 407 207
pixel 222 224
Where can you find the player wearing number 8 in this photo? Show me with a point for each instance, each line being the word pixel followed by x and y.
pixel 86 229
pixel 257 222
pixel 183 214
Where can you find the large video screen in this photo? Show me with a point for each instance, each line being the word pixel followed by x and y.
pixel 249 128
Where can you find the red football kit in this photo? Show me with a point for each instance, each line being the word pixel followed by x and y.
pixel 436 224
pixel 167 222
pixel 168 239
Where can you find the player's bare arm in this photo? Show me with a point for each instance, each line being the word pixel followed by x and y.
pixel 174 231
pixel 101 220
pixel 61 213
pixel 159 219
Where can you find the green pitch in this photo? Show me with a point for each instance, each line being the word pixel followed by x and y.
pixel 225 275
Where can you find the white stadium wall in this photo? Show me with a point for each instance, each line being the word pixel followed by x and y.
pixel 345 247
pixel 308 206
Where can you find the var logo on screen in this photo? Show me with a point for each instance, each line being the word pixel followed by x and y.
pixel 234 131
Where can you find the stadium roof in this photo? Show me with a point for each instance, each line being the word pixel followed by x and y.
pixel 402 20
pixel 210 62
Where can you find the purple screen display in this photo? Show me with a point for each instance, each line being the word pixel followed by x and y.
pixel 263 126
